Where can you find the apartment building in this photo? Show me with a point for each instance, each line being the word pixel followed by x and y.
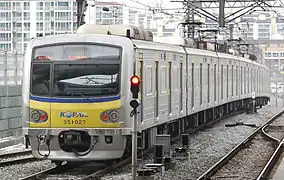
pixel 104 13
pixel 20 21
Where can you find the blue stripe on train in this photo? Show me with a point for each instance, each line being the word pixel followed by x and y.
pixel 74 100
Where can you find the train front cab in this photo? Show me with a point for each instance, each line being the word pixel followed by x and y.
pixel 75 102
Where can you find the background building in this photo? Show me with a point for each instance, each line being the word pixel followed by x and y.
pixel 97 14
pixel 20 21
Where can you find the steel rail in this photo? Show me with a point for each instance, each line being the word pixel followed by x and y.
pixel 17 161
pixel 271 163
pixel 46 171
pixel 211 171
pixel 20 153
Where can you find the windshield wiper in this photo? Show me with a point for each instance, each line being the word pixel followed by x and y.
pixel 85 96
pixel 88 80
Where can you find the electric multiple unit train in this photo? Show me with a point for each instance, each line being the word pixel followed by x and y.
pixel 76 90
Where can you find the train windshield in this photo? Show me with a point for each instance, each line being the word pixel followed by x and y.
pixel 76 71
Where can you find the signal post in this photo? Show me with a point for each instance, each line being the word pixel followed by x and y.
pixel 134 103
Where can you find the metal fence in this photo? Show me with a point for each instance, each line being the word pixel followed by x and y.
pixel 10 93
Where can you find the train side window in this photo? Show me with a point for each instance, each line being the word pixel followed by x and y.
pixel 254 80
pixel 215 83
pixel 232 80
pixel 222 83
pixel 192 85
pixel 157 91
pixel 176 79
pixel 149 77
pixel 257 80
pixel 227 81
pixel 248 74
pixel 241 80
pixel 251 78
pixel 245 79
pixel 164 82
pixel 181 86
pixel 170 87
pixel 200 83
pixel 260 79
pixel 208 83
pixel 237 80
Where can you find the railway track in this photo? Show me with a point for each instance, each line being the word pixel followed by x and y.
pixel 7 155
pixel 274 131
pixel 64 170
pixel 84 171
pixel 242 156
pixel 16 158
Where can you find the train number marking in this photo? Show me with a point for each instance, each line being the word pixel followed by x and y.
pixel 74 121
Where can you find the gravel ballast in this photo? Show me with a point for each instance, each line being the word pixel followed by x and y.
pixel 208 146
pixel 25 169
pixel 249 162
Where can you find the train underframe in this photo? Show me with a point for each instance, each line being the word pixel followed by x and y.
pixel 76 145
pixel 179 126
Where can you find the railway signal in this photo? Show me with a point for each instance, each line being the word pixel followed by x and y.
pixel 135 82
pixel 134 103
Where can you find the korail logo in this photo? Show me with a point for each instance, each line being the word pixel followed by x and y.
pixel 69 114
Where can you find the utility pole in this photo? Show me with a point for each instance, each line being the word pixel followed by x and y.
pixel 231 31
pixel 222 13
pixel 189 18
pixel 81 8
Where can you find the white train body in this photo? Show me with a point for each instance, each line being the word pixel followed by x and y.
pixel 177 82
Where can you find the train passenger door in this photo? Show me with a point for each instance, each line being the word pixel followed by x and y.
pixel 146 74
pixel 175 86
pixel 183 85
pixel 163 86
pixel 40 95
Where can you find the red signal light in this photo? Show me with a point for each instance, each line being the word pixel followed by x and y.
pixel 135 80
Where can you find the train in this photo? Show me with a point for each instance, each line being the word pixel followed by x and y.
pixel 76 90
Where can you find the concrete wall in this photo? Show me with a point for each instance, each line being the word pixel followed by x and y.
pixel 10 94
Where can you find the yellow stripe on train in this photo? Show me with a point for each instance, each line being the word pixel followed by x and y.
pixel 89 114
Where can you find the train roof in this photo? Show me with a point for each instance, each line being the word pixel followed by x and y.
pixel 175 40
pixel 117 29
pixel 138 33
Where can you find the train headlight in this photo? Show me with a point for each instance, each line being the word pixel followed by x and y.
pixel 35 116
pixel 110 115
pixel 113 116
pixel 38 116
